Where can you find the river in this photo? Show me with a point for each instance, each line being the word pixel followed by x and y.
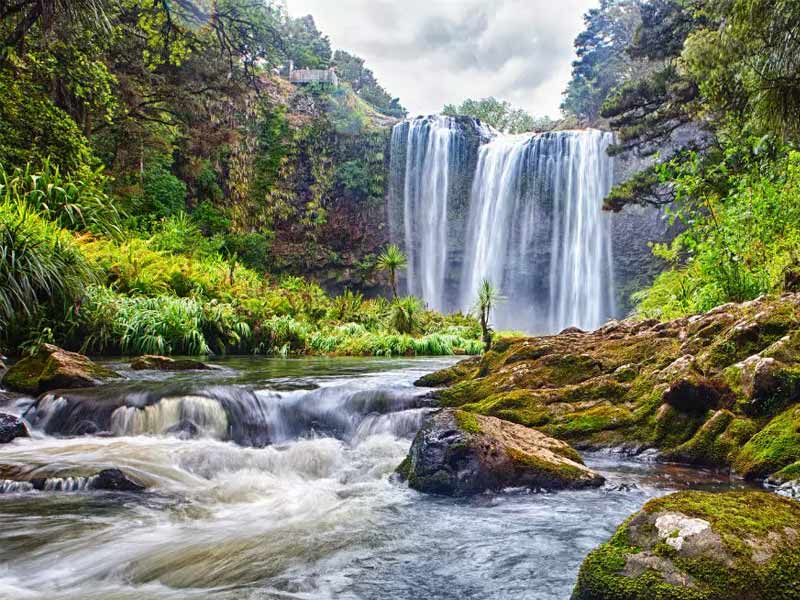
pixel 305 506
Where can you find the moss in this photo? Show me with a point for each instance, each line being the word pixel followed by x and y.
pixel 789 473
pixel 464 393
pixel 724 573
pixel 580 424
pixel 406 468
pixel 547 470
pixel 519 406
pixel 467 422
pixel 717 442
pixel 773 448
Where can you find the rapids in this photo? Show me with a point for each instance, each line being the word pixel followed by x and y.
pixel 302 505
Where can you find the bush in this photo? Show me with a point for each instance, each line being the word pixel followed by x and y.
pixel 41 269
pixel 163 194
pixel 72 202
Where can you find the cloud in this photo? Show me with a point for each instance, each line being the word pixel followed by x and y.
pixel 434 52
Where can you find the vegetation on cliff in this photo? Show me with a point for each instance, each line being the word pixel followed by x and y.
pixel 162 183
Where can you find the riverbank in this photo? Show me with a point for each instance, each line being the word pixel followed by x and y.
pixel 719 389
pixel 317 513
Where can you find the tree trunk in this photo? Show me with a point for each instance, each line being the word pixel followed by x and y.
pixel 486 332
pixel 394 285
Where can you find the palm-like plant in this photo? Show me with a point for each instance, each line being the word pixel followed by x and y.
pixel 488 298
pixel 392 260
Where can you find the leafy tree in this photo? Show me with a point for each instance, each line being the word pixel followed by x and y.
pixel 603 61
pixel 305 46
pixel 393 260
pixel 351 68
pixel 499 114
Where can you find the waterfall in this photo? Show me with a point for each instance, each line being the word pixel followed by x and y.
pixel 429 148
pixel 531 222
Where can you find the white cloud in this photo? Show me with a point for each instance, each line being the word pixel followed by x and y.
pixel 434 52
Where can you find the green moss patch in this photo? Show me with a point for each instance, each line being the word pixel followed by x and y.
pixel 773 448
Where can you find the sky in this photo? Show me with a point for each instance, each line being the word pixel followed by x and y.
pixel 434 52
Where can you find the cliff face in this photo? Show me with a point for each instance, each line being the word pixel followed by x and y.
pixel 332 181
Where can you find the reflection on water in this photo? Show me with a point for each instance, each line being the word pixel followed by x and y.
pixel 316 514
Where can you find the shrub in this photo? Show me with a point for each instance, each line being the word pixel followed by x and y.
pixel 41 268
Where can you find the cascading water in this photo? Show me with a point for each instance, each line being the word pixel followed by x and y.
pixel 532 222
pixel 537 230
pixel 428 152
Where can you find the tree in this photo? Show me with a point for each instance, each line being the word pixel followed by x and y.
pixel 499 114
pixel 392 260
pixel 488 298
pixel 351 68
pixel 603 61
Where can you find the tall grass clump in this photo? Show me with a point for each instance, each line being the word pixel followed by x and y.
pixel 42 269
pixel 71 202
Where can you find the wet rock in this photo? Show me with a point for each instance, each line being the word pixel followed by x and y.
pixel 458 453
pixel 51 368
pixel 767 385
pixel 185 430
pixel 114 480
pixel 11 428
pixel 736 545
pixel 150 362
pixel 696 395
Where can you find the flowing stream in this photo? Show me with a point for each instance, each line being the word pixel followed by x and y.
pixel 530 220
pixel 287 493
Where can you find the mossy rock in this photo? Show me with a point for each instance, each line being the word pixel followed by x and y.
pixel 700 546
pixel 457 453
pixel 52 368
pixel 773 448
pixel 150 362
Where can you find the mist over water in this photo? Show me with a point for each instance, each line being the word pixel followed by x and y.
pixel 533 223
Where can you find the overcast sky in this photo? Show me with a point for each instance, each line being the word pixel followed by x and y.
pixel 433 52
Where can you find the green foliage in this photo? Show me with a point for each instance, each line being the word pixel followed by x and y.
pixel 306 47
pixel 603 62
pixel 350 68
pixel 404 315
pixel 740 241
pixel 72 202
pixel 393 260
pixel 210 219
pixel 488 298
pixel 41 268
pixel 163 194
pixel 33 128
pixel 500 115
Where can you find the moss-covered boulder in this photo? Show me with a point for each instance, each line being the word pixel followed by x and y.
pixel 697 388
pixel 700 546
pixel 52 368
pixel 151 362
pixel 772 449
pixel 457 453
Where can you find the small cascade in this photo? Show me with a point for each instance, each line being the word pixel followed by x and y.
pixel 8 486
pixel 206 414
pixel 229 412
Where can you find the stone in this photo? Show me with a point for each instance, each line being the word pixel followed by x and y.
pixel 695 395
pixel 114 480
pixel 459 454
pixel 691 545
pixel 11 428
pixel 185 430
pixel 52 368
pixel 150 362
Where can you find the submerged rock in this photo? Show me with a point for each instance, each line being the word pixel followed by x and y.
pixel 185 430
pixel 114 480
pixel 11 428
pixel 698 545
pixel 457 454
pixel 51 368
pixel 150 362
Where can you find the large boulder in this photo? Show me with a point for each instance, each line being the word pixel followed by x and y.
pixel 151 362
pixel 700 546
pixel 458 453
pixel 11 428
pixel 52 368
